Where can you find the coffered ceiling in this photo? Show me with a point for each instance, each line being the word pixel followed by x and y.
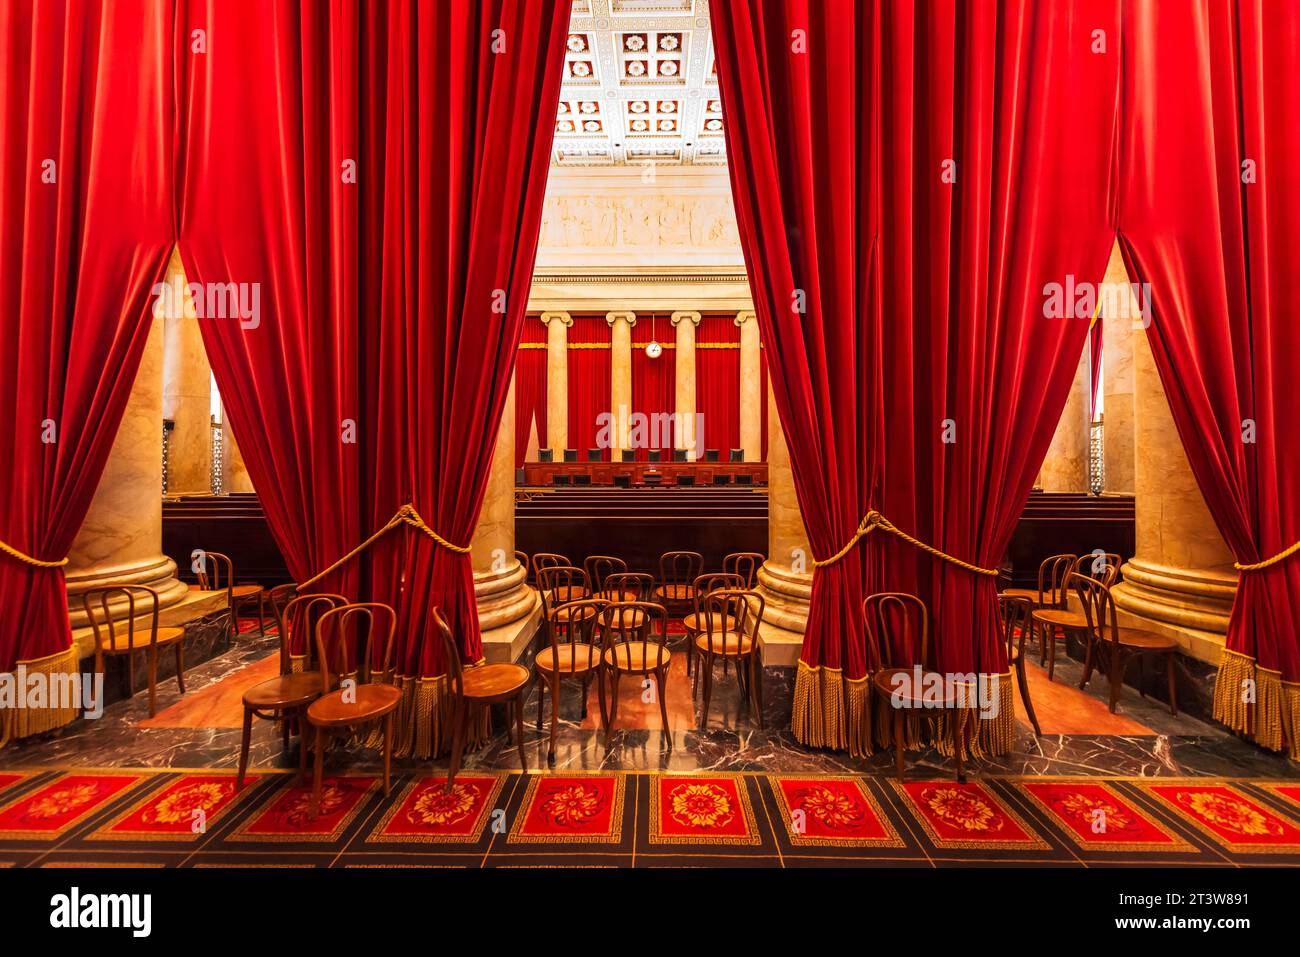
pixel 640 86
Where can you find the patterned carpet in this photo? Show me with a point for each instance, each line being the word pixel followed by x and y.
pixel 196 819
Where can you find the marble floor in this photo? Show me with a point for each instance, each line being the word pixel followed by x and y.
pixel 1080 737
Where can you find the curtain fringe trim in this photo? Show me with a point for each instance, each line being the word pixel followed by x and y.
pixel 1272 720
pixel 23 722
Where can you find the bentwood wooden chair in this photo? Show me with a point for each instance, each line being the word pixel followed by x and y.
pixel 1112 648
pixel 216 572
pixel 1052 573
pixel 1050 623
pixel 628 586
pixel 285 697
pixel 522 559
pixel 634 636
pixel 600 567
pixel 543 560
pixel 572 651
pixel 358 690
pixel 473 690
pixel 1015 612
pixel 561 585
pixel 731 622
pixel 677 574
pixel 125 636
pixel 744 564
pixel 898 641
pixel 694 622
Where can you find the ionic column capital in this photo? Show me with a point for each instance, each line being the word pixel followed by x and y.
pixel 745 316
pixel 614 317
pixel 565 319
pixel 694 317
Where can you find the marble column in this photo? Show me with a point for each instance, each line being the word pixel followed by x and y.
pixel 1065 469
pixel 684 434
pixel 620 377
pixel 234 473
pixel 187 395
pixel 557 381
pixel 1181 581
pixel 751 387
pixel 120 541
pixel 1118 333
pixel 505 602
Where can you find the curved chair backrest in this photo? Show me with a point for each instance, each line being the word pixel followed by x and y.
pixel 451 657
pixel 677 571
pixel 216 572
pixel 1053 578
pixel 730 613
pixel 628 623
pixel 600 567
pixel 573 624
pixel 104 614
pixel 1015 614
pixel 898 630
pixel 522 559
pixel 548 560
pixel 744 564
pixel 339 652
pixel 1098 608
pixel 1103 566
pixel 638 584
pixel 561 584
pixel 278 598
pixel 714 581
pixel 297 625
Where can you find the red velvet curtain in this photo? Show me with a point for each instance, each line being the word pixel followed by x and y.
pixel 530 387
pixel 1210 218
pixel 900 177
pixel 391 217
pixel 717 381
pixel 654 387
pixel 589 385
pixel 85 234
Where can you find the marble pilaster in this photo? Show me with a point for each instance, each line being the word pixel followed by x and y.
pixel 1065 469
pixel 1118 333
pixel 557 381
pixel 187 394
pixel 751 387
pixel 620 377
pixel 684 437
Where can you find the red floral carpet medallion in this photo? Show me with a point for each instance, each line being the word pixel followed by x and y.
pixel 286 816
pixel 587 808
pixel 182 811
pixel 1229 817
pixel 695 810
pixel 52 810
pixel 426 812
pixel 966 816
pixel 1095 817
pixel 832 812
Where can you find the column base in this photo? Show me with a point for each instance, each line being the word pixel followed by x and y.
pixel 1190 605
pixel 509 613
pixel 158 573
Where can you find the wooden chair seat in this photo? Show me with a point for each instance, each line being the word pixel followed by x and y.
pixel 1060 617
pixel 695 621
pixel 369 701
pixel 731 646
pixel 245 591
pixel 1030 593
pixel 637 656
pixel 675 592
pixel 631 618
pixel 492 681
pixel 121 644
pixel 575 658
pixel 910 691
pixel 285 691
pixel 611 595
pixel 1146 640
pixel 567 593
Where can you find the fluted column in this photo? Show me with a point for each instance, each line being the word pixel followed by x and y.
pixel 187 394
pixel 120 541
pixel 557 380
pixel 1118 334
pixel 1180 582
pixel 684 434
pixel 1065 469
pixel 751 387
pixel 500 590
pixel 620 377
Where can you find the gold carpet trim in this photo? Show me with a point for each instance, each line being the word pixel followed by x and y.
pixel 21 722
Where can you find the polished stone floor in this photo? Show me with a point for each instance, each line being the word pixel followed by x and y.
pixel 202 730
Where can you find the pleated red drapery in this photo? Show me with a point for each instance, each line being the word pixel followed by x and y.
pixel 589 385
pixel 1209 217
pixel 530 387
pixel 900 180
pixel 82 248
pixel 394 227
pixel 717 381
pixel 654 388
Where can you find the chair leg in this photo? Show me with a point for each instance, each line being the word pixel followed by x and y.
pixel 130 675
pixel 519 722
pixel 153 681
pixel 1116 677
pixel 457 733
pixel 959 741
pixel 899 754
pixel 705 664
pixel 586 684
pixel 318 772
pixel 613 704
pixel 304 742
pixel 1170 661
pixel 1051 653
pixel 756 679
pixel 1089 659
pixel 542 684
pixel 600 690
pixel 388 753
pixel 1043 636
pixel 661 680
pixel 261 614
pixel 243 747
pixel 1023 681
pixel 180 665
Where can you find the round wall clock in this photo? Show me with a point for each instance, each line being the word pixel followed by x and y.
pixel 653 349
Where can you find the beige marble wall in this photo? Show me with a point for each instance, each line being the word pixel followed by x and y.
pixel 751 387
pixel 187 394
pixel 235 477
pixel 1065 469
pixel 557 381
pixel 1118 335
pixel 120 540
pixel 685 323
pixel 620 376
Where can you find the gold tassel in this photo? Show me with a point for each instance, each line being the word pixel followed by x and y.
pixel 21 722
pixel 422 726
pixel 823 718
pixel 1273 720
pixel 1268 709
pixel 1230 708
pixel 1291 716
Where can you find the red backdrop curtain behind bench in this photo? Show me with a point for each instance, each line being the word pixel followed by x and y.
pixel 1210 218
pixel 589 383
pixel 530 387
pixel 717 381
pixel 390 215
pixel 654 386
pixel 81 248
pixel 903 179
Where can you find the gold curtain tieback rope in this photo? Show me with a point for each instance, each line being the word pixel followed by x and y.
pixel 1280 556
pixel 406 515
pixel 28 559
pixel 874 520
